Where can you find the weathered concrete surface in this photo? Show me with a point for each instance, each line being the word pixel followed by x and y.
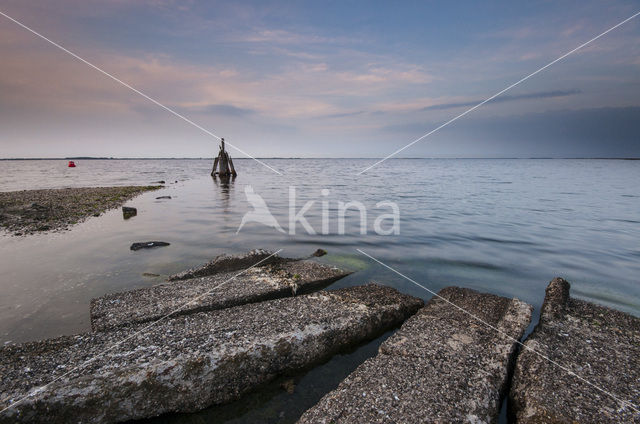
pixel 596 343
pixel 192 361
pixel 441 366
pixel 279 277
pixel 227 263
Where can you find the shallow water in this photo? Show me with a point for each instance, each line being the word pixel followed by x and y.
pixel 504 226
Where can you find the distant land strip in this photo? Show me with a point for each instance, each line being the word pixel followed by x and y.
pixel 333 158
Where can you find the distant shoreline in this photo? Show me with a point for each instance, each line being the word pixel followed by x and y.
pixel 301 158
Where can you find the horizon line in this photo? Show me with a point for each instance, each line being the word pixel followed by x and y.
pixel 328 157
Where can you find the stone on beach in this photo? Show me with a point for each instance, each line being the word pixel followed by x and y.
pixel 223 287
pixel 598 344
pixel 189 362
pixel 441 366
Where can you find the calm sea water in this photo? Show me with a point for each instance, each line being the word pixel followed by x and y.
pixel 502 226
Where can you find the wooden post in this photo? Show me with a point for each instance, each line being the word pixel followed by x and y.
pixel 215 165
pixel 224 161
pixel 231 167
pixel 224 168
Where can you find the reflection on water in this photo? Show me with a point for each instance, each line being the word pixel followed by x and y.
pixel 225 185
pixel 503 226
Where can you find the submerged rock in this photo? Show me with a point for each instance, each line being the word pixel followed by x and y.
pixel 148 245
pixel 289 385
pixel 598 344
pixel 441 366
pixel 223 288
pixel 189 362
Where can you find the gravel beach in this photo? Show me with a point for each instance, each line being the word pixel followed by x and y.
pixel 31 211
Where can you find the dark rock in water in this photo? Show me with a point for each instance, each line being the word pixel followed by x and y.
pixel 148 245
pixel 190 362
pixel 319 252
pixel 441 366
pixel 228 287
pixel 128 212
pixel 163 197
pixel 598 344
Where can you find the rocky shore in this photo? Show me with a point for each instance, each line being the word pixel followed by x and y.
pixel 31 211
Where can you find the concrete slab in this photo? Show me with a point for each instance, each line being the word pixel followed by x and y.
pixel 279 277
pixel 441 366
pixel 189 362
pixel 599 344
pixel 227 263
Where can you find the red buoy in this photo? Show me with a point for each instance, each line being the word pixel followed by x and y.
pixel 71 164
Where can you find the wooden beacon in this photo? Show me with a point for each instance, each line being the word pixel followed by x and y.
pixel 224 161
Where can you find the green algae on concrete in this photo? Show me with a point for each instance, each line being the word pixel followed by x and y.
pixel 352 262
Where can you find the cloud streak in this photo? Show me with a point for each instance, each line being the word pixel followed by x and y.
pixel 222 110
pixel 503 99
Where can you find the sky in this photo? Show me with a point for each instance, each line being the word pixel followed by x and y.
pixel 319 79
